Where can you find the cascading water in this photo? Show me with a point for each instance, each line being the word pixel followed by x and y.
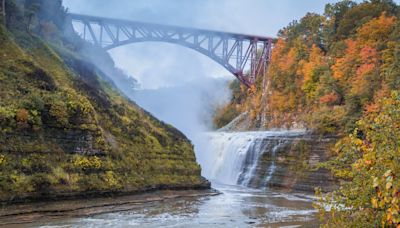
pixel 233 157
pixel 272 167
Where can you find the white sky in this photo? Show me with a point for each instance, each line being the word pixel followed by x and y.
pixel 158 64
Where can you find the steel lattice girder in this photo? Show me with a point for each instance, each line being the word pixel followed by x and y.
pixel 235 52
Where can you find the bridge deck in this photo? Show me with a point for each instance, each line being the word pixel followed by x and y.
pixel 245 56
pixel 84 17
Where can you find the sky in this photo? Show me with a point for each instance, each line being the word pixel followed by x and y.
pixel 158 65
pixel 258 17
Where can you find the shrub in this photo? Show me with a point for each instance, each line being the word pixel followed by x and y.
pixel 22 116
pixel 111 180
pixel 59 111
pixel 35 163
pixel 369 161
pixel 7 119
pixel 40 182
pixel 87 163
pixel 2 159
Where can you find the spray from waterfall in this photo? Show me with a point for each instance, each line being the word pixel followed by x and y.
pixel 236 158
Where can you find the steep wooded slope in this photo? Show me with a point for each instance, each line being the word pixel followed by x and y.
pixel 65 130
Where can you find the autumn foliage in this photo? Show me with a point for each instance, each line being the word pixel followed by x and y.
pixel 316 69
pixel 339 74
pixel 369 157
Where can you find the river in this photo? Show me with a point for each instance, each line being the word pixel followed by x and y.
pixel 235 207
pixel 229 160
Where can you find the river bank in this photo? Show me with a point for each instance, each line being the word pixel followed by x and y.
pixel 230 206
pixel 29 213
pixel 59 196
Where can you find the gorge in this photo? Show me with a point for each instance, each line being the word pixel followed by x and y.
pixel 101 126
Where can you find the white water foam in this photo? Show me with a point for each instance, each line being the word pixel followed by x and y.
pixel 232 157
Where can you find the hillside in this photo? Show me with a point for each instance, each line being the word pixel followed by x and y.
pixel 338 74
pixel 65 130
pixel 326 71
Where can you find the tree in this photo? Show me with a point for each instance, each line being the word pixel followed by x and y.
pixel 334 13
pixel 369 162
pixel 3 10
pixel 359 14
pixel 45 11
pixel 30 12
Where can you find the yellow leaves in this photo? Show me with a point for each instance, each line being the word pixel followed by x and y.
pixel 86 163
pixel 2 159
pixel 386 198
pixel 375 182
pixel 388 173
pixel 374 170
pixel 358 142
pixel 374 202
pixel 59 111
pixel 78 103
pixel 389 185
pixel 389 179
pixel 111 179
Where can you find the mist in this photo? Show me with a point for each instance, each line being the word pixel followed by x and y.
pixel 176 84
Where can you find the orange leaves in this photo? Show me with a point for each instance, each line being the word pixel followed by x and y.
pixel 342 67
pixel 283 58
pixel 376 30
pixel 351 48
pixel 368 55
pixel 289 60
pixel 346 66
pixel 369 60
pixel 22 115
pixel 315 60
pixel 372 108
pixel 365 69
pixel 357 66
pixel 329 99
pixel 278 53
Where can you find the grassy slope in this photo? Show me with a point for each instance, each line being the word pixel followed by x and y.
pixel 63 131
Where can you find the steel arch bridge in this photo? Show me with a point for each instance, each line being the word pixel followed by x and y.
pixel 245 56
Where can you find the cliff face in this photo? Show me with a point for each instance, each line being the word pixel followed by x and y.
pixel 66 131
pixel 291 163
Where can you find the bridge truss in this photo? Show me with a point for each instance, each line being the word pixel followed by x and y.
pixel 245 56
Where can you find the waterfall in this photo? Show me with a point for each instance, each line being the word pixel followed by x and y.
pixel 234 157
pixel 271 169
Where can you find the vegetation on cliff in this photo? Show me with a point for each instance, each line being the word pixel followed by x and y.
pixel 368 160
pixel 65 129
pixel 327 70
pixel 339 74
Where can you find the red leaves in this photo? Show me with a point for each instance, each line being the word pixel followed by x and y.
pixel 329 99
